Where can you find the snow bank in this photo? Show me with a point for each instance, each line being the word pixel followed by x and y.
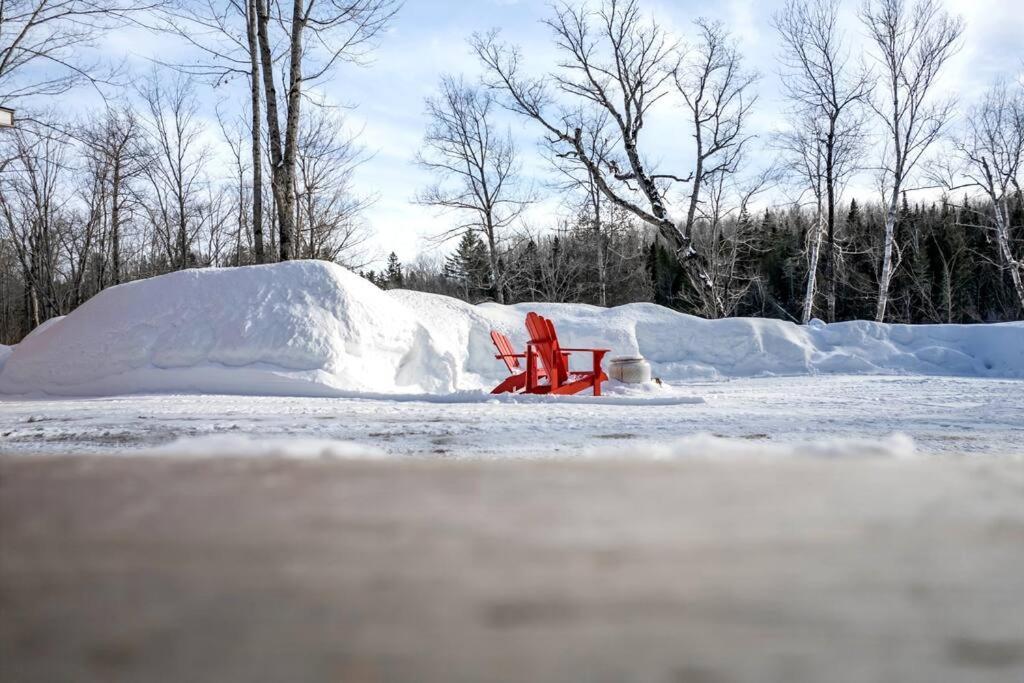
pixel 314 328
pixel 300 328
pixel 683 347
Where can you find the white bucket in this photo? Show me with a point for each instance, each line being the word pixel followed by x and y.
pixel 630 370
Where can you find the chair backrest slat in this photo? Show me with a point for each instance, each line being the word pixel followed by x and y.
pixel 545 342
pixel 504 346
pixel 557 357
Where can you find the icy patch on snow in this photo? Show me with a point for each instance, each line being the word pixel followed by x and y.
pixel 242 446
pixel 311 328
pixel 708 446
pixel 703 446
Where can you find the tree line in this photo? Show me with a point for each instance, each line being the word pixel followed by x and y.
pixel 137 187
pixel 882 116
pixel 949 270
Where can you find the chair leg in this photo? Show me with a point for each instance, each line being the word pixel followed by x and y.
pixel 531 369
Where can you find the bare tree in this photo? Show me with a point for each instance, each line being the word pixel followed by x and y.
pixel 585 195
pixel 805 157
pixel 476 168
pixel 175 172
pixel 992 154
pixel 328 211
pixel 827 91
pixel 804 154
pixel 35 217
pixel 234 133
pixel 728 238
pixel 912 43
pixel 557 272
pixel 115 142
pixel 319 35
pixel 715 87
pixel 613 62
pixel 225 34
pixel 43 43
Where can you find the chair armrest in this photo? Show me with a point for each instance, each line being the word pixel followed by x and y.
pixel 588 350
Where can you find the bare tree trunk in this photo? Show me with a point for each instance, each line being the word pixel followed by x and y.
pixel 282 176
pixel 602 256
pixel 492 252
pixel 257 147
pixel 891 215
pixel 291 131
pixel 182 227
pixel 297 228
pixel 1002 218
pixel 115 224
pixel 830 190
pixel 812 267
pixel 698 173
pixel 31 305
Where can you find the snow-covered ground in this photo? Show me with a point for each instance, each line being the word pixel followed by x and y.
pixel 823 415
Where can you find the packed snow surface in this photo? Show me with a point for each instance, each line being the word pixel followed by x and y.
pixel 310 328
pixel 826 415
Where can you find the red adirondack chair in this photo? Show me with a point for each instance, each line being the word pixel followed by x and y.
pixel 555 361
pixel 547 363
pixel 516 381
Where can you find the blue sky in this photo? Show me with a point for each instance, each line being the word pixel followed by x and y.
pixel 428 39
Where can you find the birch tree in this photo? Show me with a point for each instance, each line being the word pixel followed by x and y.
pixel 224 33
pixel 804 152
pixel 821 82
pixel 992 152
pixel 912 42
pixel 319 34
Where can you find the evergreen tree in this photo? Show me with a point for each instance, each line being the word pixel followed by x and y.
pixel 853 218
pixel 469 266
pixel 393 278
pixel 377 279
pixel 665 274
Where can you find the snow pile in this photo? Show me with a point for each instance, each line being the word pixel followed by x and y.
pixel 314 328
pixel 302 327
